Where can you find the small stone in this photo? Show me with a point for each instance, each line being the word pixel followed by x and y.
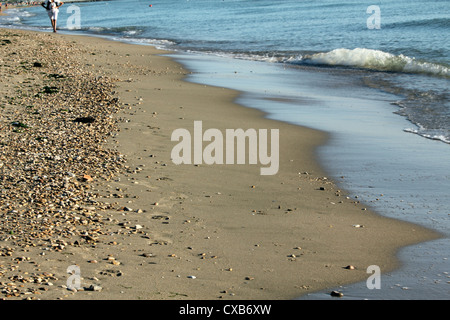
pixel 94 287
pixel 350 267
pixel 87 178
pixel 336 294
pixel 147 255
pixel 70 174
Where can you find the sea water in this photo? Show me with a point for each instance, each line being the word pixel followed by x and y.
pixel 374 74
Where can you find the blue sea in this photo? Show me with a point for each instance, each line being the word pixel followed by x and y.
pixel 374 74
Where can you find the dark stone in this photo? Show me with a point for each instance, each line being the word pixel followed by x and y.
pixel 84 119
pixel 336 294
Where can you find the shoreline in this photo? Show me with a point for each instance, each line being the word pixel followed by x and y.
pixel 251 247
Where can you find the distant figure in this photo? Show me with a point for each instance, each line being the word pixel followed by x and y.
pixel 52 7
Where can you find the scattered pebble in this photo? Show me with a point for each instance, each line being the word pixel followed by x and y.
pixel 52 151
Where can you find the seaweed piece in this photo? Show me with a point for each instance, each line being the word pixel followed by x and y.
pixel 50 90
pixel 19 124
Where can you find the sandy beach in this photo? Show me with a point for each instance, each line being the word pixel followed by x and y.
pixel 137 226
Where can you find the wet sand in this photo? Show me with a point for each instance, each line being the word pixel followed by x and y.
pixel 157 230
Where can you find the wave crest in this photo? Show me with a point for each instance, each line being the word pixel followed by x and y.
pixel 376 60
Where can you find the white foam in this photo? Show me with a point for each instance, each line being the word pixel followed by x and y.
pixel 439 137
pixel 157 43
pixel 377 60
pixel 96 29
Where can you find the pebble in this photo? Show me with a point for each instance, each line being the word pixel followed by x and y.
pixel 336 294
pixel 147 255
pixel 94 287
pixel 350 267
pixel 87 178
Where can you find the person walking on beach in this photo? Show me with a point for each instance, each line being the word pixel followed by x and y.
pixel 52 7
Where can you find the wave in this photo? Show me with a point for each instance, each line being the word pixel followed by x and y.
pixel 431 136
pixel 14 16
pixel 375 60
pixel 125 31
pixel 431 23
pixel 360 58
pixel 157 43
pixel 10 19
pixel 261 56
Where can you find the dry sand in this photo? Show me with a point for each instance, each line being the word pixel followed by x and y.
pixel 209 231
